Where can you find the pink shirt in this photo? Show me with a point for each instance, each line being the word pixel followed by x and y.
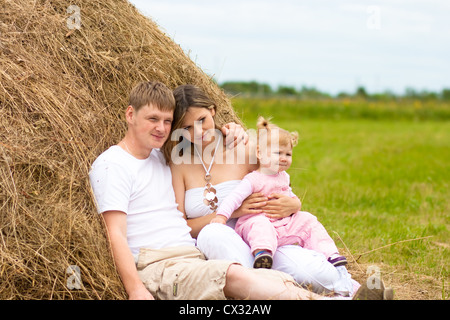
pixel 255 182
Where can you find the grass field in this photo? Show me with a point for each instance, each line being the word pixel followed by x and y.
pixel 377 175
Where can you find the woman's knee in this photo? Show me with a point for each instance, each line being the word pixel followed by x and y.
pixel 218 241
pixel 214 232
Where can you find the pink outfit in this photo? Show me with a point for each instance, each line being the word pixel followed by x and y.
pixel 260 232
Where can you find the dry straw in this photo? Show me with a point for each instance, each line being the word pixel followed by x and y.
pixel 63 92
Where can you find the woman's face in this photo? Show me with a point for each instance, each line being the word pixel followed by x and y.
pixel 199 125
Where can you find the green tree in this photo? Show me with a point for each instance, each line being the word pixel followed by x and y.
pixel 285 90
pixel 252 87
pixel 361 93
pixel 445 95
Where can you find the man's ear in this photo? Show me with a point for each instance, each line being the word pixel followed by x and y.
pixel 129 113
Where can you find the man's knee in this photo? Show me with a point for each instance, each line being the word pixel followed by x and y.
pixel 237 280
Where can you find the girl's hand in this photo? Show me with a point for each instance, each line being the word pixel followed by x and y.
pixel 281 206
pixel 219 219
pixel 252 205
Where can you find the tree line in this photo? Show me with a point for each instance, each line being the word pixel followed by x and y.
pixel 254 88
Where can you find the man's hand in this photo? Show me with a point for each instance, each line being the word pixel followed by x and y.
pixel 234 134
pixel 280 206
pixel 140 293
pixel 219 219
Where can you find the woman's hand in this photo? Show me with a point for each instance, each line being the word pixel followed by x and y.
pixel 234 134
pixel 280 206
pixel 252 205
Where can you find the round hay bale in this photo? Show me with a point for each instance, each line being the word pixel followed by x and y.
pixel 65 77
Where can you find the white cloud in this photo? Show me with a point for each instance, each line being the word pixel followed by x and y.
pixel 326 43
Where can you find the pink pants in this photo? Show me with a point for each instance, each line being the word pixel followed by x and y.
pixel 301 228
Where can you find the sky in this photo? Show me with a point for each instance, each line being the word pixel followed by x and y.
pixel 334 46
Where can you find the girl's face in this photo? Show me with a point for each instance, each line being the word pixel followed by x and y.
pixel 275 158
pixel 199 125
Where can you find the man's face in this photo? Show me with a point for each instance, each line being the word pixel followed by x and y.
pixel 150 126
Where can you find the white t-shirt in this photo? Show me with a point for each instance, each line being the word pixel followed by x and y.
pixel 143 190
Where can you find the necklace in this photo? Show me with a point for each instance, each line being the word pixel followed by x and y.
pixel 209 194
pixel 126 146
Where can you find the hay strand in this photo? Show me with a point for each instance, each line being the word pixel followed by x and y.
pixel 390 245
pixel 62 97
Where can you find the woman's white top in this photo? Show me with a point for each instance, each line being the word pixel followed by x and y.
pixel 193 200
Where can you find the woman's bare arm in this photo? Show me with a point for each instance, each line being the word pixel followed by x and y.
pixel 196 224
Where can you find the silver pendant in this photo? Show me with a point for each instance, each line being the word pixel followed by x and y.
pixel 209 194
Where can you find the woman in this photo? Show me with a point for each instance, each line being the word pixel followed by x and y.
pixel 204 172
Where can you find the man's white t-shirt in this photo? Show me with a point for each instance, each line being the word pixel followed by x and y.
pixel 143 190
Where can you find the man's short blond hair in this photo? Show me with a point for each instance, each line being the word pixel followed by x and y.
pixel 152 92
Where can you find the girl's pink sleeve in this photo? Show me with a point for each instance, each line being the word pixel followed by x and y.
pixel 234 200
pixel 291 194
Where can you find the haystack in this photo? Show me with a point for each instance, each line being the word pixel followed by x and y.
pixel 64 85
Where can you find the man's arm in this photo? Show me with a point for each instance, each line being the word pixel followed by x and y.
pixel 116 224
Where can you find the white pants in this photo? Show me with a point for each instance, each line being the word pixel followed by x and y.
pixel 309 268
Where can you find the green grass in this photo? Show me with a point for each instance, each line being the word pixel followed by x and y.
pixel 415 110
pixel 372 178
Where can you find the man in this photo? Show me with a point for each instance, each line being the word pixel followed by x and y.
pixel 154 253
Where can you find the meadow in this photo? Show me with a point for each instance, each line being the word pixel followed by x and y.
pixel 377 175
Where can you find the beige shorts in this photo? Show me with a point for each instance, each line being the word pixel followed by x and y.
pixel 182 273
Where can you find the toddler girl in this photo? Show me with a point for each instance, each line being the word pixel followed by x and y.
pixel 263 234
